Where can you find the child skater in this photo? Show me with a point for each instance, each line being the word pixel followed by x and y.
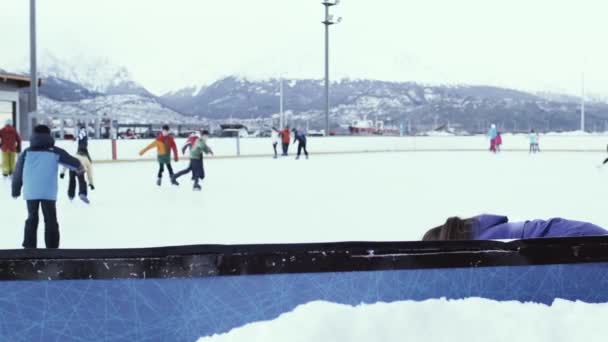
pixel 164 144
pixel 196 162
pixel 533 138
pixel 83 156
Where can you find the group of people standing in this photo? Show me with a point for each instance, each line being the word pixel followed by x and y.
pixel 496 140
pixel 284 137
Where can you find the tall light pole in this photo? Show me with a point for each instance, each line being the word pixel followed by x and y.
pixel 33 67
pixel 327 22
pixel 583 102
pixel 281 115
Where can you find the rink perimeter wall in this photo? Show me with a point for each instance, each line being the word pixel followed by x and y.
pixel 127 150
pixel 188 292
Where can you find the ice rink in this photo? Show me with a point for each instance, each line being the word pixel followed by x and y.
pixel 367 196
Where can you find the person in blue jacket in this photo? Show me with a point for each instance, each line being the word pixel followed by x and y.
pixel 36 172
pixel 300 137
pixel 496 227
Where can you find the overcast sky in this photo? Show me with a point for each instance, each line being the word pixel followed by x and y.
pixel 168 44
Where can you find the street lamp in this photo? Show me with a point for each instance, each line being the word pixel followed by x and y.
pixel 33 71
pixel 329 20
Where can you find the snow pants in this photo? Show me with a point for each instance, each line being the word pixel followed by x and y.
pixel 51 232
pixel 8 163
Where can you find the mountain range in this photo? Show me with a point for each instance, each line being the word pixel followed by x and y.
pixel 98 86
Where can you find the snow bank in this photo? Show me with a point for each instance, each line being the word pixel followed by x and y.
pixel 472 319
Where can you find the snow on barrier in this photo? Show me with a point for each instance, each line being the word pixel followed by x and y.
pixel 218 293
pixel 127 150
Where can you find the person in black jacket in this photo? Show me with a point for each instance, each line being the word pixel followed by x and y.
pixel 300 137
pixel 36 172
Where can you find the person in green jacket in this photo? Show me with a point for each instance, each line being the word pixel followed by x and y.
pixel 197 149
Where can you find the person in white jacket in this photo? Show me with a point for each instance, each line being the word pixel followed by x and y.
pixel 83 156
pixel 275 139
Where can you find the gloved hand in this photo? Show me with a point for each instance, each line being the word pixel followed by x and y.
pixel 92 186
pixel 61 175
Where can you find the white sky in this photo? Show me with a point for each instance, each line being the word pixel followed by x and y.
pixel 169 44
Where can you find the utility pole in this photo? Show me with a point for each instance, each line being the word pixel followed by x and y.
pixel 327 22
pixel 33 66
pixel 583 102
pixel 281 119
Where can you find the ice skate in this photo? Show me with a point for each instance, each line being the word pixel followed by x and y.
pixel 84 198
pixel 159 181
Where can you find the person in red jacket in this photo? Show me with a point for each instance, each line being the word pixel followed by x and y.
pixel 285 139
pixel 10 144
pixel 164 145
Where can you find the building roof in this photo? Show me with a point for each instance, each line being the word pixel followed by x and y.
pixel 21 81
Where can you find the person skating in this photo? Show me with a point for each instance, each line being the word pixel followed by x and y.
pixel 285 139
pixel 498 141
pixel 492 135
pixel 83 156
pixel 36 173
pixel 274 139
pixel 82 139
pixel 10 145
pixel 495 227
pixel 196 161
pixel 300 137
pixel 533 138
pixel 191 141
pixel 164 144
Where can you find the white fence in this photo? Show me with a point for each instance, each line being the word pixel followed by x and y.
pixel 227 147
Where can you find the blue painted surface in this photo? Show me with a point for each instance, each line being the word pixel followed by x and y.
pixel 186 309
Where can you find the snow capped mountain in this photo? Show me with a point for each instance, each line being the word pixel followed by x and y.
pixel 96 74
pixel 124 108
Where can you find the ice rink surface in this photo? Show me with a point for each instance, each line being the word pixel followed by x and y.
pixel 367 196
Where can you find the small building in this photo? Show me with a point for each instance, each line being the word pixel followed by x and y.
pixel 14 95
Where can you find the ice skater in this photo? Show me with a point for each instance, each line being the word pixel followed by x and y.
pixel 191 141
pixel 492 133
pixel 83 156
pixel 196 162
pixel 164 144
pixel 82 139
pixel 285 139
pixel 300 137
pixel 36 173
pixel 495 227
pixel 10 145
pixel 274 139
pixel 533 139
pixel 498 141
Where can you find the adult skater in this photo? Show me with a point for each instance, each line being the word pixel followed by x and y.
pixel 83 156
pixel 36 172
pixel 492 133
pixel 164 144
pixel 300 137
pixel 10 145
pixel 82 139
pixel 285 139
pixel 533 139
pixel 495 227
pixel 274 139
pixel 196 162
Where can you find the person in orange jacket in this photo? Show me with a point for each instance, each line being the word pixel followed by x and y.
pixel 164 144
pixel 285 139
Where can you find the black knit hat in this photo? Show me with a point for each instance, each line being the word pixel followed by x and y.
pixel 42 129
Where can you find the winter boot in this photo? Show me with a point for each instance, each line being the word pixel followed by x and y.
pixel 159 181
pixel 84 198
pixel 196 187
pixel 174 181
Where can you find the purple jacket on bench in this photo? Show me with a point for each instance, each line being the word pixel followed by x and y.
pixel 495 227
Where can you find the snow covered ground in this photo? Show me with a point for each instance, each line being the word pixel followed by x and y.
pixel 471 319
pixel 381 196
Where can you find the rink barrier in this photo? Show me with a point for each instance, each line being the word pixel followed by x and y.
pixel 223 260
pixel 187 292
pixel 322 153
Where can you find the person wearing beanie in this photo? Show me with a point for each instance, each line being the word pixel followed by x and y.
pixel 10 145
pixel 164 144
pixel 36 172
pixel 196 162
pixel 83 156
pixel 300 137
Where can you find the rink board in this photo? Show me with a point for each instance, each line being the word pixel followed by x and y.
pixel 184 293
